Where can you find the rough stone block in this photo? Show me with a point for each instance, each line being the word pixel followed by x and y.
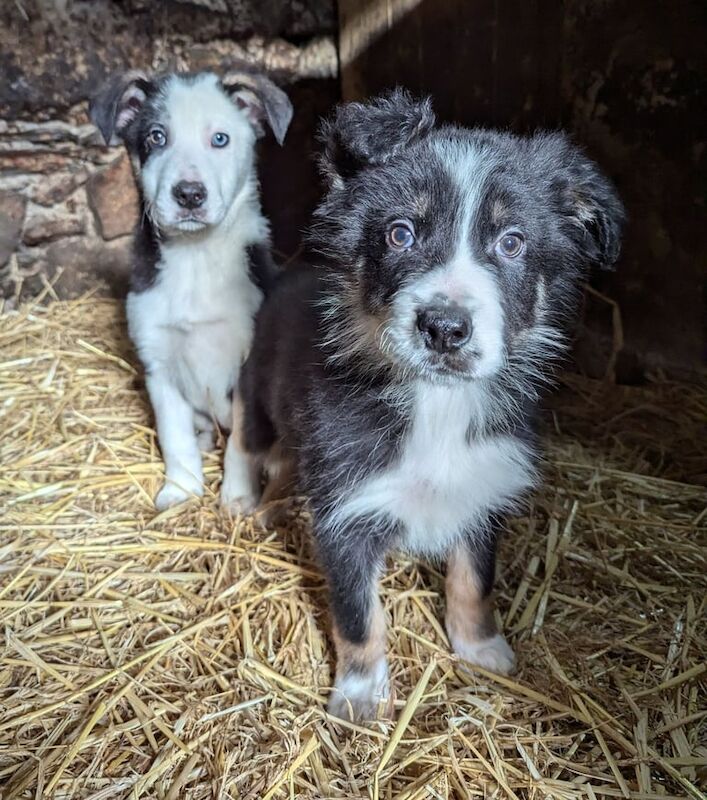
pixel 47 224
pixel 12 213
pixel 113 198
pixel 86 264
pixel 56 188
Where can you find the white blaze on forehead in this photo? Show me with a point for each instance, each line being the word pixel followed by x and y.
pixel 540 300
pixel 464 279
pixel 468 168
pixel 197 105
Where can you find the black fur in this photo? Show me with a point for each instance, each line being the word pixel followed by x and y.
pixel 336 398
pixel 364 135
pixel 261 267
pixel 113 98
pixel 146 256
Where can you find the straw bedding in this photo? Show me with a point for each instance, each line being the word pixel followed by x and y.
pixel 186 655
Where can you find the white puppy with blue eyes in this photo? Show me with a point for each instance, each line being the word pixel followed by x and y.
pixel 202 262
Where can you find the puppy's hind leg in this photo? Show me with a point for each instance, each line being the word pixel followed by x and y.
pixel 281 484
pixel 205 432
pixel 177 437
pixel 241 469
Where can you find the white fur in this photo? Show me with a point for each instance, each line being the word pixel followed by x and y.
pixel 467 167
pixel 443 482
pixel 194 111
pixel 493 654
pixel 357 695
pixel 193 328
pixel 239 490
pixel 466 283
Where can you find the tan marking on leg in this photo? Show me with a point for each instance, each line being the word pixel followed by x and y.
pixel 281 484
pixel 469 614
pixel 470 623
pixel 281 474
pixel 365 654
pixel 237 416
pixel 361 672
pixel 241 469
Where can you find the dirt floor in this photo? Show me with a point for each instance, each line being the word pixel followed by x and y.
pixel 187 655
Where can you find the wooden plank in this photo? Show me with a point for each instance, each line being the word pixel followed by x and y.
pixel 483 61
pixel 363 24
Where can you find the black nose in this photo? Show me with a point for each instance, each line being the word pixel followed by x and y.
pixel 444 328
pixel 189 194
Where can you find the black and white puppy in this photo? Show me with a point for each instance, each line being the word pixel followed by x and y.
pixel 401 373
pixel 202 250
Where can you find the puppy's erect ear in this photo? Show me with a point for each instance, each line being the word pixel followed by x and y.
pixel 118 103
pixel 591 203
pixel 261 100
pixel 368 134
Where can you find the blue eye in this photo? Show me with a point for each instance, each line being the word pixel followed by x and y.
pixel 219 139
pixel 157 138
pixel 400 235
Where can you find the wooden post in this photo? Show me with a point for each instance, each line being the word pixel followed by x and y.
pixel 361 24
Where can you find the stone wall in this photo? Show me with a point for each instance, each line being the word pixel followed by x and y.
pixel 67 202
pixel 67 206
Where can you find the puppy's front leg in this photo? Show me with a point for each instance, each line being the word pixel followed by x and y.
pixel 358 629
pixel 175 430
pixel 241 469
pixel 470 624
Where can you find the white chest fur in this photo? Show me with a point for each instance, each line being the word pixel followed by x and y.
pixel 443 483
pixel 194 326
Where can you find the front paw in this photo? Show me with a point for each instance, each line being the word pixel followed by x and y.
pixel 172 494
pixel 358 695
pixel 493 654
pixel 236 497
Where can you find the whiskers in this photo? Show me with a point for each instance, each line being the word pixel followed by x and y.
pixel 528 369
pixel 351 336
pixel 357 341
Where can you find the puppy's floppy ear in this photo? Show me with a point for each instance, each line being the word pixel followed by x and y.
pixel 118 103
pixel 368 134
pixel 592 204
pixel 261 100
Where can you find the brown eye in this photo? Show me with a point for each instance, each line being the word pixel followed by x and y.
pixel 510 245
pixel 156 138
pixel 400 236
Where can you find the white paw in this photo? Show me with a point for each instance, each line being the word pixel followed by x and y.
pixel 239 493
pixel 237 497
pixel 172 494
pixel 493 654
pixel 357 696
